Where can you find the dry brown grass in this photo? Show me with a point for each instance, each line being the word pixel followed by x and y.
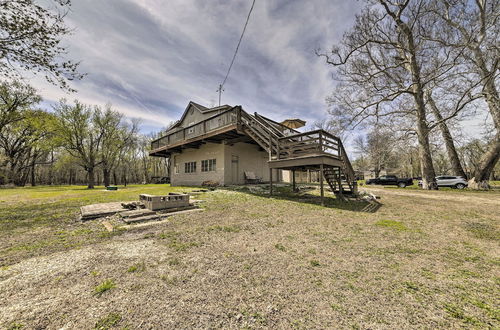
pixel 424 259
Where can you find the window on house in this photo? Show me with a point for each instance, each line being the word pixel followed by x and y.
pixel 190 167
pixel 208 165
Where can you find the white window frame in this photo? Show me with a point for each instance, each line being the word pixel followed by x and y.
pixel 189 167
pixel 209 165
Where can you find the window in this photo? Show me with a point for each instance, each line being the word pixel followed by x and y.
pixel 208 165
pixel 190 167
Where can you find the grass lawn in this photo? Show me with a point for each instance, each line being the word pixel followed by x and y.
pixel 424 259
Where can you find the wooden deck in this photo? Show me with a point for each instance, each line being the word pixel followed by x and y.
pixel 222 126
pixel 304 162
pixel 287 148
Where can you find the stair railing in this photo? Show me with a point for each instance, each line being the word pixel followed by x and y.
pixel 348 170
pixel 262 131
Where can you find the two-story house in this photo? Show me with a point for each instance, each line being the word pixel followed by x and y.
pixel 223 143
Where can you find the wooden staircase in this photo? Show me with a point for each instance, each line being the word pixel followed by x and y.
pixel 289 149
pixel 337 181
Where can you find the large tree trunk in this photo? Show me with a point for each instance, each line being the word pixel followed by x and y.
pixel 33 168
pixel 413 67
pixel 486 165
pixel 14 174
pixel 424 149
pixel 456 166
pixel 424 153
pixel 490 158
pixel 33 173
pixel 51 169
pixel 106 176
pixel 91 178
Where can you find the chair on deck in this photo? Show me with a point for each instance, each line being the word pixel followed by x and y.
pixel 250 177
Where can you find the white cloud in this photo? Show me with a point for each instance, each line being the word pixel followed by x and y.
pixel 150 57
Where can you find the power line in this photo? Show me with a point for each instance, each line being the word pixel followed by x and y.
pixel 220 90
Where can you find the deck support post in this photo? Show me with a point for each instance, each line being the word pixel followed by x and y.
pixel 321 184
pixel 270 182
pixel 293 181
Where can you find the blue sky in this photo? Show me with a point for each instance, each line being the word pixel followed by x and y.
pixel 149 58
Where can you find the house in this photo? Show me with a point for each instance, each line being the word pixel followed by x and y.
pixel 221 143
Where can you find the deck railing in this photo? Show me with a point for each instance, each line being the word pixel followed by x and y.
pixel 220 120
pixel 316 142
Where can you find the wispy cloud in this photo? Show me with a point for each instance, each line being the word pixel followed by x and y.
pixel 150 57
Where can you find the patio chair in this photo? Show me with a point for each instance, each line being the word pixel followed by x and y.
pixel 250 177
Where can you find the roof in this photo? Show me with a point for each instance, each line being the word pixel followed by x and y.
pixel 200 108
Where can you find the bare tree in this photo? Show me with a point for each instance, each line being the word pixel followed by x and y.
pixel 378 147
pixel 386 65
pixel 380 64
pixel 474 26
pixel 451 150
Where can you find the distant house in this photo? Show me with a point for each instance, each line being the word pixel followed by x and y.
pixel 225 144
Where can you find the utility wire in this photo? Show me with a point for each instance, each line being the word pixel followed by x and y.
pixel 236 51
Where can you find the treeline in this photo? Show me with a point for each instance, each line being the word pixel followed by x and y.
pixel 384 150
pixel 73 144
pixel 410 72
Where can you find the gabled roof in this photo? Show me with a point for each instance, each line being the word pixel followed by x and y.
pixel 198 107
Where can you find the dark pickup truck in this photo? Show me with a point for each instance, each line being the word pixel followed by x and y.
pixel 393 180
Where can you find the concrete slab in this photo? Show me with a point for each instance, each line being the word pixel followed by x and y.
pixel 142 219
pixel 136 213
pixel 164 219
pixel 94 211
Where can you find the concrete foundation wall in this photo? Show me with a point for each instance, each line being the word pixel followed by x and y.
pixel 231 162
pixel 206 151
pixel 245 157
pixel 301 176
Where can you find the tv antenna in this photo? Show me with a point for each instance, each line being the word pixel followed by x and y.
pixel 220 90
pixel 221 86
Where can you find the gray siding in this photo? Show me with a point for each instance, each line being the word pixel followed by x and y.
pixel 194 116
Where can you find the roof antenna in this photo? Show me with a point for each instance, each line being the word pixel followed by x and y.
pixel 220 90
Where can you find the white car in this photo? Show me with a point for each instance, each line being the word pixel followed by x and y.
pixel 450 181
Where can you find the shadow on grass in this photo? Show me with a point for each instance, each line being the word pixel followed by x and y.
pixel 305 196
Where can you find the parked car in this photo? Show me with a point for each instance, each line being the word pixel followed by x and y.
pixel 393 180
pixel 449 181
